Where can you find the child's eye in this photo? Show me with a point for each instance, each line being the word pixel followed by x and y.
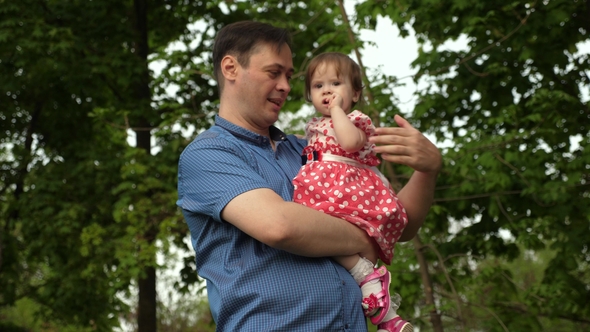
pixel 317 86
pixel 336 83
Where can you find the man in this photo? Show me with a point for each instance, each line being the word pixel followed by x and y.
pixel 263 256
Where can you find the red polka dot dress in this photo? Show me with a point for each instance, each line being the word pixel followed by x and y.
pixel 348 186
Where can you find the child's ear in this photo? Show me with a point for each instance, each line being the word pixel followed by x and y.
pixel 356 96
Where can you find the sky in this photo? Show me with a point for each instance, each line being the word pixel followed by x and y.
pixel 393 54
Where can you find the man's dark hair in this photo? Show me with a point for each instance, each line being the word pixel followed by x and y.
pixel 241 39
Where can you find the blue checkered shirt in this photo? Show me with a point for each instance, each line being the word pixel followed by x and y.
pixel 251 286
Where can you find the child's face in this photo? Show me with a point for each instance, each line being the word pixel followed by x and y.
pixel 324 83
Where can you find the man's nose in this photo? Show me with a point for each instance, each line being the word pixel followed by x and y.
pixel 284 84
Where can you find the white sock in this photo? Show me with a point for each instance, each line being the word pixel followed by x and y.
pixel 396 300
pixel 391 314
pixel 362 269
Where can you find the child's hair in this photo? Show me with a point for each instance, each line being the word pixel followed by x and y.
pixel 344 66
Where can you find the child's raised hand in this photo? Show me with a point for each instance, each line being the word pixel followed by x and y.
pixel 334 100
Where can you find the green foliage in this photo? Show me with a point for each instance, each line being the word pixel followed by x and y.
pixel 507 108
pixel 186 314
pixel 83 213
pixel 23 316
pixel 71 70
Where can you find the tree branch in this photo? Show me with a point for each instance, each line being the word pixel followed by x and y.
pixel 449 281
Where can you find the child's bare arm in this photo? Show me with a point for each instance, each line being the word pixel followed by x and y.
pixel 350 138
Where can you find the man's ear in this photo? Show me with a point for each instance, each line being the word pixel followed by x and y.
pixel 229 67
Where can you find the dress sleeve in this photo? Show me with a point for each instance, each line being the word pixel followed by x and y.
pixel 363 122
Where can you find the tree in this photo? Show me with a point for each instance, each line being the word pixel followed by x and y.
pixel 515 182
pixel 73 77
pixel 83 212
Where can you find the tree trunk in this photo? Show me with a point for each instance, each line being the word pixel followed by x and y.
pixel 146 311
pixel 13 212
pixel 147 305
pixel 427 283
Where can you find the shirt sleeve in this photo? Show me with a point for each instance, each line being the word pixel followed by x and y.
pixel 211 174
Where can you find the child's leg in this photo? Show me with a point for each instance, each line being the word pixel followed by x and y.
pixel 360 267
pixel 397 324
pixel 349 262
pixel 360 271
pixel 392 321
pixel 380 306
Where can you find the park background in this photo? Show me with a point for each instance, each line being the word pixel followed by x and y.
pixel 98 99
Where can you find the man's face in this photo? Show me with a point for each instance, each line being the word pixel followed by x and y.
pixel 264 85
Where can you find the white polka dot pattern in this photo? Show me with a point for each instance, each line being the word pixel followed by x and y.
pixel 356 194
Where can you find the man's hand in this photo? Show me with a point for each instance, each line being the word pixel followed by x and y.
pixel 371 253
pixel 406 145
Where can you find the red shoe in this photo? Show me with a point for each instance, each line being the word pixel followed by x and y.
pixel 380 300
pixel 397 324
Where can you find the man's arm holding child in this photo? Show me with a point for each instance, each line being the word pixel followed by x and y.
pixel 292 227
pixel 407 146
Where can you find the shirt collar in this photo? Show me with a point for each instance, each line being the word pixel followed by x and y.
pixel 275 133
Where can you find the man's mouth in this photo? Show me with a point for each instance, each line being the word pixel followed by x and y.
pixel 278 102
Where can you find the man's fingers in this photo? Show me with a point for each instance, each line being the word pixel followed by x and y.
pixel 407 130
pixel 392 149
pixel 405 145
pixel 385 136
pixel 396 159
pixel 403 123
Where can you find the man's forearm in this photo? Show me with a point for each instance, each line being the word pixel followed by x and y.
pixel 295 228
pixel 316 234
pixel 417 197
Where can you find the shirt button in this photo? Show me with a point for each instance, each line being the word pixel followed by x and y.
pixel 344 283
